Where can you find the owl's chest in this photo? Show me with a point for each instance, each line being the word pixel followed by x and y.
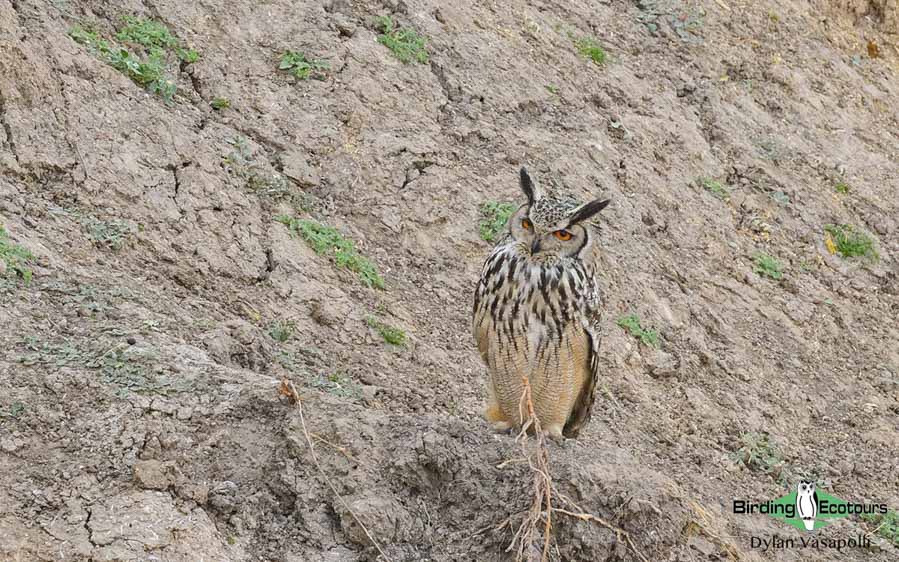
pixel 531 299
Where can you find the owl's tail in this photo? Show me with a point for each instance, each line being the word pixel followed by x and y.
pixel 809 523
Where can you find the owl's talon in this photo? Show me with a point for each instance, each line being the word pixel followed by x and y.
pixel 501 427
pixel 554 432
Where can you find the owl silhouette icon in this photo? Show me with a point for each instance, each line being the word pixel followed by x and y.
pixel 807 503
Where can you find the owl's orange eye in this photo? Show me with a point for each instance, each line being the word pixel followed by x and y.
pixel 526 224
pixel 562 235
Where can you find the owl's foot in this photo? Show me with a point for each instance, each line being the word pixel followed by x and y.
pixel 554 432
pixel 501 426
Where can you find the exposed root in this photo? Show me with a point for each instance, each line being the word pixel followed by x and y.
pixel 540 514
pixel 288 389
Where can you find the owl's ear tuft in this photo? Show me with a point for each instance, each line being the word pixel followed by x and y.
pixel 527 185
pixel 587 210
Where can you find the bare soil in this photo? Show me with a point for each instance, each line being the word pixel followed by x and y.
pixel 140 417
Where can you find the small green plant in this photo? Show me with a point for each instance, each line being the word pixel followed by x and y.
pixel 841 187
pixel 768 266
pixel 757 452
pixel 147 33
pixel 122 367
pixel 15 410
pixel 632 324
pixel 392 335
pixel 714 187
pixel 148 64
pixel 338 384
pixel 591 49
pixel 552 89
pixel 494 216
pixel 15 257
pixel 405 44
pixel 108 234
pixel 886 525
pixel 850 242
pixel 302 68
pixel 219 104
pixel 328 240
pixel 282 330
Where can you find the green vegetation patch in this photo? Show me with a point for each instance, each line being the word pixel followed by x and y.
pixel 589 48
pixel 632 324
pixel 144 50
pixel 338 384
pixel 494 216
pixel 714 187
pixel 391 335
pixel 302 68
pixel 219 104
pixel 757 452
pixel 327 240
pixel 404 42
pixel 851 242
pixel 885 524
pixel 768 266
pixel 842 187
pixel 282 330
pixel 110 234
pixel 15 257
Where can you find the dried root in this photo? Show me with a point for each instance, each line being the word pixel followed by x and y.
pixel 287 389
pixel 537 522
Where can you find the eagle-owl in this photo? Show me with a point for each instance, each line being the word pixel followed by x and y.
pixel 536 314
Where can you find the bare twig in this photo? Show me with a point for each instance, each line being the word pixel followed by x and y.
pixel 288 389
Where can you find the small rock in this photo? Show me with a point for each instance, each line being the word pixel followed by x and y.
pixel 151 475
pixel 662 365
pixel 325 313
pixel 131 340
pixel 196 492
pixel 345 28
pixel 297 168
pixel 2 268
pixel 8 445
pixel 184 413
pixel 223 496
pixel 160 405
pixel 369 392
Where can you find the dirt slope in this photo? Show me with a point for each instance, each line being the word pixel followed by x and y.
pixel 139 410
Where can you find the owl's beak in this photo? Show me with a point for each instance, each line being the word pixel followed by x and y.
pixel 535 247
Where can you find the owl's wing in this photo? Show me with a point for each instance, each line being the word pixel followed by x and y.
pixel 580 413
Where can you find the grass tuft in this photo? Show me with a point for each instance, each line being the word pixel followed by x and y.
pixel 757 452
pixel 219 104
pixel 494 216
pixel 282 330
pixel 631 323
pixel 714 187
pixel 886 525
pixel 842 187
pixel 850 242
pixel 404 42
pixel 328 240
pixel 391 335
pixel 589 48
pixel 768 266
pixel 15 257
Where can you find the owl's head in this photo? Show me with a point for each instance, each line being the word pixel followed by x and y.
pixel 552 228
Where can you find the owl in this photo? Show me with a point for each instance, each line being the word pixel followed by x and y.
pixel 536 314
